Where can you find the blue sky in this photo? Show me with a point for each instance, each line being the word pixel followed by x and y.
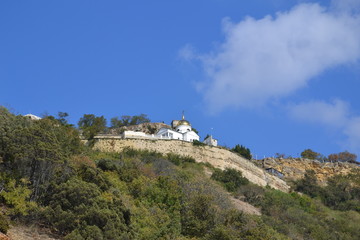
pixel 273 75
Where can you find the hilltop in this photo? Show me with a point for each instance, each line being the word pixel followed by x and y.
pixel 148 128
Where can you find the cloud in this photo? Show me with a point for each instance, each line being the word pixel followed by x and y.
pixel 270 58
pixel 352 131
pixel 336 115
pixel 346 6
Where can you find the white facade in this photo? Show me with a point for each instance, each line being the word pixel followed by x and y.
pixel 32 117
pixel 210 141
pixel 133 134
pixel 167 133
pixel 181 130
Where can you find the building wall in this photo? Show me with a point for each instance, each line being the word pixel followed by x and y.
pixel 210 141
pixel 191 136
pixel 218 157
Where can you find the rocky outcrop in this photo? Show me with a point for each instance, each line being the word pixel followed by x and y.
pixel 148 128
pixel 4 237
pixel 294 168
pixel 217 157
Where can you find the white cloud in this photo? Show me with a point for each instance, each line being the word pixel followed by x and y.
pixel 336 115
pixel 347 6
pixel 187 53
pixel 352 131
pixel 270 58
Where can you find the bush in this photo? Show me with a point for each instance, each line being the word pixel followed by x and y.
pixel 243 151
pixel 252 193
pixel 308 184
pixel 231 178
pixel 343 157
pixel 198 143
pixel 4 224
pixel 177 159
pixel 310 154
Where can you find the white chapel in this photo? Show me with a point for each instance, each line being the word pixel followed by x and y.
pixel 181 130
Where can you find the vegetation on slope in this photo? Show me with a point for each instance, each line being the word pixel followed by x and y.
pixel 48 177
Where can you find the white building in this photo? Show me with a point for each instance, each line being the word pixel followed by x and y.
pixel 32 117
pixel 209 140
pixel 181 130
pixel 134 134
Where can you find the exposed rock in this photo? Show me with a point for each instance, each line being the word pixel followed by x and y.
pixel 148 128
pixel 294 169
pixel 4 237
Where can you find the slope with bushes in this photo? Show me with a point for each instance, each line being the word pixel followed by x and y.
pixel 48 178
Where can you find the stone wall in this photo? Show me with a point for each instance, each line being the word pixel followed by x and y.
pixel 218 157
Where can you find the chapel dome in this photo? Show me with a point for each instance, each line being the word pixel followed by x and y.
pixel 184 122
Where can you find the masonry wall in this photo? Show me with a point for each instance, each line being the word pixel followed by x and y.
pixel 218 157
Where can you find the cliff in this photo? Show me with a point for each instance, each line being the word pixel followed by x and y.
pixel 217 157
pixel 294 169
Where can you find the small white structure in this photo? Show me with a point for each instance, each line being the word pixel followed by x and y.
pixel 134 134
pixel 209 140
pixel 181 130
pixel 32 117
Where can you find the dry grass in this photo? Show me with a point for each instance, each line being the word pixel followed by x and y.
pixel 21 232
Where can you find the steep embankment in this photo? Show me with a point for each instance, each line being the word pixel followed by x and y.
pixel 218 157
pixel 294 169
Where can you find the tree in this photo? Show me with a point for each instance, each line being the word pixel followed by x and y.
pixel 91 125
pixel 34 150
pixel 116 122
pixel 243 151
pixel 310 154
pixel 62 118
pixel 138 119
pixel 342 157
pixel 129 120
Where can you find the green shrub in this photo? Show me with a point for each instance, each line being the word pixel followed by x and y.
pixel 243 151
pixel 231 178
pixel 4 224
pixel 177 159
pixel 198 216
pixel 198 143
pixel 252 193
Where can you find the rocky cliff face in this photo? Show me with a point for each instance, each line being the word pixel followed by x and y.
pixel 294 169
pixel 218 157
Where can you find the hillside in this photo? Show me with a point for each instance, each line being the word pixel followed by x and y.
pixel 52 185
pixel 216 156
